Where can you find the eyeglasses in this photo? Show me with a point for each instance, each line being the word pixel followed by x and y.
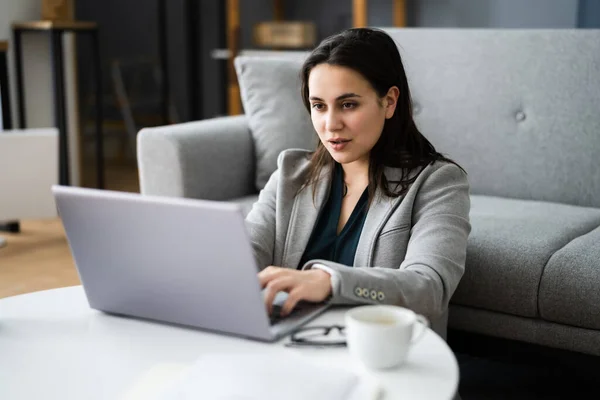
pixel 318 336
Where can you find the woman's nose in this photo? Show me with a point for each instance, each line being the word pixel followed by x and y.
pixel 333 122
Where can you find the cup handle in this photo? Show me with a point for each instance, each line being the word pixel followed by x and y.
pixel 424 324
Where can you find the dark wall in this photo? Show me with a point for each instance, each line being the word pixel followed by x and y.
pixel 126 29
pixel 129 28
pixel 589 14
pixel 212 32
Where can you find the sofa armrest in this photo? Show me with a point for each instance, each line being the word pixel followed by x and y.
pixel 211 159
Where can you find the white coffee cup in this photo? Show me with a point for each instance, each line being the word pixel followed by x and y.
pixel 380 336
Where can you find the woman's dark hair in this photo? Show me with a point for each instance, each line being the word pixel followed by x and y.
pixel 374 54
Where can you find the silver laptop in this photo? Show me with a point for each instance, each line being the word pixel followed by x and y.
pixel 175 260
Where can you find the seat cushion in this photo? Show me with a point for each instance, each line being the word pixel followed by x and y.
pixel 510 243
pixel 246 202
pixel 278 120
pixel 570 287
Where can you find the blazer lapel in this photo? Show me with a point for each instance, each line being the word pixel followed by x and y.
pixel 379 212
pixel 304 218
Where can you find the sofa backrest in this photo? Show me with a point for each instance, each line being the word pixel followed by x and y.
pixel 518 109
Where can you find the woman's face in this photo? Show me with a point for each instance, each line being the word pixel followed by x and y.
pixel 346 112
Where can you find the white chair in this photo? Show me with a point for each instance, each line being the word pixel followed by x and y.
pixel 28 169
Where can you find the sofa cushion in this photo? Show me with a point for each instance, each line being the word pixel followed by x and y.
pixel 510 243
pixel 246 202
pixel 278 120
pixel 570 287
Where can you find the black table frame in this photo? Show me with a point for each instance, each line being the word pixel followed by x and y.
pixel 5 92
pixel 60 114
pixel 12 226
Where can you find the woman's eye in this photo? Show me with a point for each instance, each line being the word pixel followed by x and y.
pixel 317 106
pixel 348 106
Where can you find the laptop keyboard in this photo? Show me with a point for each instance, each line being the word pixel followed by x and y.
pixel 303 307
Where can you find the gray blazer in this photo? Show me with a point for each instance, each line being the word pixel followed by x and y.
pixel 411 251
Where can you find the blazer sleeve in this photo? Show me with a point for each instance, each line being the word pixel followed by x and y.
pixel 260 223
pixel 435 257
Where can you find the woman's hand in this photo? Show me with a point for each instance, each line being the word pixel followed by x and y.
pixel 311 285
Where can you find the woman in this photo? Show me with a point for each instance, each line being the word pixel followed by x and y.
pixel 375 215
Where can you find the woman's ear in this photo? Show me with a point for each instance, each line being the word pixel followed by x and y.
pixel 390 101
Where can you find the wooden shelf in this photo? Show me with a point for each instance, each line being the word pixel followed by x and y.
pixel 3 46
pixel 48 25
pixel 359 13
pixel 359 19
pixel 399 13
pixel 234 104
pixel 225 54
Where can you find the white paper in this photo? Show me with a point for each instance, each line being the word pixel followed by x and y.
pixel 152 381
pixel 267 377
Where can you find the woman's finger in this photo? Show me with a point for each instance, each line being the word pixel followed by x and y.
pixel 269 274
pixel 275 286
pixel 294 296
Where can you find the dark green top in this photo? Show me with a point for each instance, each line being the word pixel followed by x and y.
pixel 324 242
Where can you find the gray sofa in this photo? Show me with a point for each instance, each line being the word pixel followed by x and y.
pixel 518 109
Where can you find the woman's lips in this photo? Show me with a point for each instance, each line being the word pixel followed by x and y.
pixel 339 144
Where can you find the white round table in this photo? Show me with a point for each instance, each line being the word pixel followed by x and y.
pixel 53 346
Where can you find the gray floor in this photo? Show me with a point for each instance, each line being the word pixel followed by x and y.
pixel 493 369
pixel 487 379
